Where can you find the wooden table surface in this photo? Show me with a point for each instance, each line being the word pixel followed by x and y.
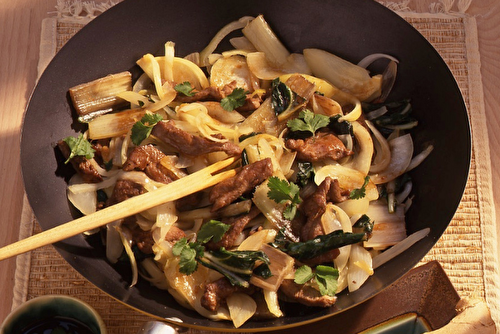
pixel 20 26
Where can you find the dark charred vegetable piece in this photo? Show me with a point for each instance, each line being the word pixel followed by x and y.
pixel 305 173
pixel 340 128
pixel 318 245
pixel 281 96
pixel 363 225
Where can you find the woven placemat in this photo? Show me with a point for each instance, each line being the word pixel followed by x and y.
pixel 467 250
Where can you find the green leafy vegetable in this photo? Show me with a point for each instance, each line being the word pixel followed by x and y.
pixel 79 147
pixel 325 276
pixel 308 121
pixel 340 127
pixel 360 192
pixel 185 88
pixel 188 253
pixel 142 129
pixel 281 96
pixel 234 100
pixel 237 266
pixel 212 230
pixel 303 274
pixel 363 224
pixel 281 191
pixel 319 245
pixel 305 172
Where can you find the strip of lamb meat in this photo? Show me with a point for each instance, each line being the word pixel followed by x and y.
pixel 244 181
pixel 81 164
pixel 190 144
pixel 313 208
pixel 217 292
pixel 237 225
pixel 148 158
pixel 217 94
pixel 322 146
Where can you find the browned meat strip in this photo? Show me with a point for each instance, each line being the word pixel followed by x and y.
pixel 216 94
pixel 81 164
pixel 147 158
pixel 238 224
pixel 314 206
pixel 305 295
pixel 190 144
pixel 243 182
pixel 123 190
pixel 144 239
pixel 319 147
pixel 217 292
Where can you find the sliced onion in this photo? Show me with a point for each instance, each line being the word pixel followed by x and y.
pixel 241 308
pixel 363 158
pixel 399 247
pixel 348 179
pixel 360 267
pixel 417 160
pixel 401 154
pixel 221 34
pixel 368 60
pixel 114 245
pixel 383 150
pixel 376 113
pixel 271 298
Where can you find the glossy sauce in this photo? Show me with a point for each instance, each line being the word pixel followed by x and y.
pixel 57 325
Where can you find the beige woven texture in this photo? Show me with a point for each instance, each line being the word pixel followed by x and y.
pixel 460 250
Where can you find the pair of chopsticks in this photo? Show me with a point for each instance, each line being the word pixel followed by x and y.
pixel 187 185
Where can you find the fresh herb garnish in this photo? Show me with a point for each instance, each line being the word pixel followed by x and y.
pixel 212 230
pixel 185 88
pixel 325 276
pixel 234 100
pixel 188 253
pixel 360 192
pixel 79 147
pixel 308 121
pixel 142 129
pixel 281 191
pixel 237 266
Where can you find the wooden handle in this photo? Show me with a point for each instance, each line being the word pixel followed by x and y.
pixel 190 184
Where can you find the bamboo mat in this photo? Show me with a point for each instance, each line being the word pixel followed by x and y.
pixel 467 250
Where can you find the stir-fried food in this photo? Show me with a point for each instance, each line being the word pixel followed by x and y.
pixel 320 188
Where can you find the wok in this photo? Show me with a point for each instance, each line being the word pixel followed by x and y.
pixel 351 29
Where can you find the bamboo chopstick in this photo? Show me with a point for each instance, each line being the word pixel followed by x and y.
pixel 192 183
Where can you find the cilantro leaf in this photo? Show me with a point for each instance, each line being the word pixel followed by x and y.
pixel 142 129
pixel 303 274
pixel 79 147
pixel 234 100
pixel 185 88
pixel 360 192
pixel 281 191
pixel 188 253
pixel 327 277
pixel 308 121
pixel 212 230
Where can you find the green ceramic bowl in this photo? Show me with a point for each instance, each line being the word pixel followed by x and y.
pixel 56 313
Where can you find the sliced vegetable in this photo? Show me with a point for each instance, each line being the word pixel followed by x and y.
pixel 401 155
pixel 100 94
